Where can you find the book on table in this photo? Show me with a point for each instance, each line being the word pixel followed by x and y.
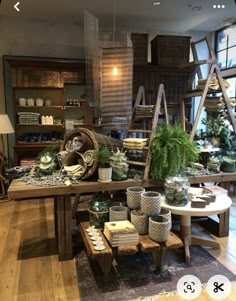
pixel 121 233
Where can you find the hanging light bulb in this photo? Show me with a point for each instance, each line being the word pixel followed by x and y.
pixel 115 71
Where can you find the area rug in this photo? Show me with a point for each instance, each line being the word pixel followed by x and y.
pixel 135 276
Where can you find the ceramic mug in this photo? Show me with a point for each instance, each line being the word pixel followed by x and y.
pixel 22 101
pixel 30 102
pixel 48 102
pixel 39 102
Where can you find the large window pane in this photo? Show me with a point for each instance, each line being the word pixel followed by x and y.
pixel 232 36
pixel 221 40
pixel 231 91
pixel 221 59
pixel 231 57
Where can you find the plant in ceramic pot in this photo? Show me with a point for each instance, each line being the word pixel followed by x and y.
pixel 217 129
pixel 171 151
pixel 104 165
pixel 119 166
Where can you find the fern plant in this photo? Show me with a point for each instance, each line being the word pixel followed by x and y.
pixel 171 151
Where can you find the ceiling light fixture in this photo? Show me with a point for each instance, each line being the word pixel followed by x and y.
pixel 196 8
pixel 155 3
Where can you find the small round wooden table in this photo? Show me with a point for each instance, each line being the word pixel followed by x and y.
pixel 221 204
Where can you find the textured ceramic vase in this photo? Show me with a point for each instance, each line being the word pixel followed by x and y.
pixel 134 197
pixel 140 221
pixel 158 228
pixel 151 202
pixel 118 213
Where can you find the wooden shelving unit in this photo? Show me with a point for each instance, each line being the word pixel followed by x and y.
pixel 42 78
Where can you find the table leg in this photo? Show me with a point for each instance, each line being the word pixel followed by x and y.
pixel 185 230
pixel 64 226
pixel 189 239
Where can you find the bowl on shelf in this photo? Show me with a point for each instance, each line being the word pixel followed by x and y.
pixel 30 102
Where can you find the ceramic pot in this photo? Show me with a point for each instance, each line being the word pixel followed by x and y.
pixel 104 174
pixel 30 102
pixel 39 102
pixel 118 213
pixel 22 101
pixel 166 213
pixel 151 202
pixel 134 197
pixel 158 228
pixel 48 102
pixel 140 221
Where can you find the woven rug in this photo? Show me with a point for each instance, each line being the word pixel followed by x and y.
pixel 133 277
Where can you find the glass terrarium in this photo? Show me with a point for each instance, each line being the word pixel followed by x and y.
pixel 176 190
pixel 99 210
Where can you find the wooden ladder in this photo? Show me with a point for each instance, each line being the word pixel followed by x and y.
pixel 213 71
pixel 140 101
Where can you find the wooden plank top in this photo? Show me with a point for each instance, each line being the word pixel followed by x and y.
pixel 20 190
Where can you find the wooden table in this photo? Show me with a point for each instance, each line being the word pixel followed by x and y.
pixel 63 206
pixel 221 204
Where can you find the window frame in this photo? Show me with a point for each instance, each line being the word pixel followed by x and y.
pixel 224 49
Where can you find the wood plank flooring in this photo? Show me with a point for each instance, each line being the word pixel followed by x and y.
pixel 29 266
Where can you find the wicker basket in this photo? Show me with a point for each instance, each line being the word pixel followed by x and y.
pixel 90 141
pixel 170 50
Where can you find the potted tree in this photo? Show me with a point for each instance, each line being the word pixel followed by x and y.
pixel 171 151
pixel 104 165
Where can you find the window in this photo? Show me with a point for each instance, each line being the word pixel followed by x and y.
pixel 226 47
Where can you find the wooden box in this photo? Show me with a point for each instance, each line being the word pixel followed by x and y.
pixel 168 50
pixel 140 48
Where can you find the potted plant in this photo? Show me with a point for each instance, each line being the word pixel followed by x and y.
pixel 171 151
pixel 119 166
pixel 217 129
pixel 104 165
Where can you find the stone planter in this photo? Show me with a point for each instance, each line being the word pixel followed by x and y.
pixel 134 197
pixel 118 213
pixel 166 213
pixel 151 202
pixel 158 228
pixel 140 221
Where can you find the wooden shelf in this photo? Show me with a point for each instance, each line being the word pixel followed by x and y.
pixel 42 125
pixel 23 145
pixel 40 107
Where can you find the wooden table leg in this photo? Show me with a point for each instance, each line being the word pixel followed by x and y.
pixel 55 220
pixel 189 239
pixel 64 226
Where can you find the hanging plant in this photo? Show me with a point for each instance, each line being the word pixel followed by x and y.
pixel 171 151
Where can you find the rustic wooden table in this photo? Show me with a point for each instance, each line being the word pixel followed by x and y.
pixel 63 204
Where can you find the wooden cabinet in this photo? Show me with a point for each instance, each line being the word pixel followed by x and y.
pixel 36 90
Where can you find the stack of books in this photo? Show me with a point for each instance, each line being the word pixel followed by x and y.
pixel 121 233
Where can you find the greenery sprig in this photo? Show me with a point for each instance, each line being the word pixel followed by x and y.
pixel 171 151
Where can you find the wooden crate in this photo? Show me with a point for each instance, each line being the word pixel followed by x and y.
pixel 140 48
pixel 169 50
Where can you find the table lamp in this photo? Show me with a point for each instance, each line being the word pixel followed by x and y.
pixel 5 128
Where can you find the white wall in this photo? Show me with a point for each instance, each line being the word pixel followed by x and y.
pixel 28 37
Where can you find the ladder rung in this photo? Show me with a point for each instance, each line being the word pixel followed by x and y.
pixel 139 131
pixel 136 163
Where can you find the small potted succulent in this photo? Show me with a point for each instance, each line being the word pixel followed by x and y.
pixel 119 166
pixel 104 165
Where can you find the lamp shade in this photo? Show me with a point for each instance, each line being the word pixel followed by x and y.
pixel 5 125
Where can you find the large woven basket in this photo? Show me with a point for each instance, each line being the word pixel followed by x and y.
pixel 90 141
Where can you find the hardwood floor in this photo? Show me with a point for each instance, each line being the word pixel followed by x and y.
pixel 29 266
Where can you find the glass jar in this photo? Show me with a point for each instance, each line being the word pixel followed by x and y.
pixel 176 190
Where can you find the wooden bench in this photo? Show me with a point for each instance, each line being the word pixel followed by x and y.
pixel 105 257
